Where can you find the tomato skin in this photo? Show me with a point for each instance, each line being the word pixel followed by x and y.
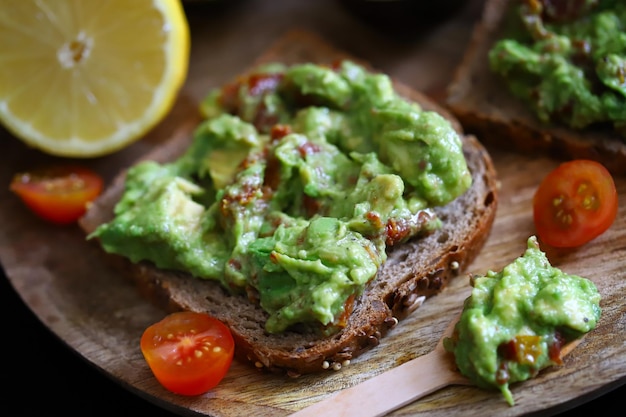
pixel 189 353
pixel 58 194
pixel 574 204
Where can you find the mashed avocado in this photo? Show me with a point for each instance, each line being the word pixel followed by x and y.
pixel 292 189
pixel 515 321
pixel 567 61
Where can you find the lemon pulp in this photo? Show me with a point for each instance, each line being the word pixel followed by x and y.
pixel 83 78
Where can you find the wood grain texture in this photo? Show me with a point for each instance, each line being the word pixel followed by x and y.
pixel 101 317
pixel 382 394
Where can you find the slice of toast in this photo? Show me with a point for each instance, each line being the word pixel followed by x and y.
pixel 482 103
pixel 414 271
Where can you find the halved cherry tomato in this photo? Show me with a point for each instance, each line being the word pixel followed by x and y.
pixel 59 194
pixel 574 204
pixel 189 353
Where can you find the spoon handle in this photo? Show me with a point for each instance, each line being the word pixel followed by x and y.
pixel 389 390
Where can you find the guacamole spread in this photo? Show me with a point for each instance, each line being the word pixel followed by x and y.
pixel 567 61
pixel 295 184
pixel 515 321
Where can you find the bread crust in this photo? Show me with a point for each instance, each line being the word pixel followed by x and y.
pixel 413 271
pixel 481 102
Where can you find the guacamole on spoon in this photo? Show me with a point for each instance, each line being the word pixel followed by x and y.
pixel 515 321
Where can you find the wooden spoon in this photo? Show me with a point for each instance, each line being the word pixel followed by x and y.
pixel 399 386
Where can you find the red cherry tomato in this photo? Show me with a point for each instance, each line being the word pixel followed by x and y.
pixel 59 194
pixel 574 204
pixel 189 353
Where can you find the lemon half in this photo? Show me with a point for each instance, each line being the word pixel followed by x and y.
pixel 85 78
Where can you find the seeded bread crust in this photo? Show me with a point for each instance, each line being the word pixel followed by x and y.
pixel 481 102
pixel 413 272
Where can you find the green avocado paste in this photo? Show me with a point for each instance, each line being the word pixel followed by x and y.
pixel 567 61
pixel 295 184
pixel 515 321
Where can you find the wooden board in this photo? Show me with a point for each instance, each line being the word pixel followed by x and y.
pixel 101 317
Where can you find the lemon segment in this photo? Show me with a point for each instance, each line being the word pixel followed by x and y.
pixel 84 78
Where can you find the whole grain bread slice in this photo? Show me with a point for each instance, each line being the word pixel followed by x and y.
pixel 483 105
pixel 413 272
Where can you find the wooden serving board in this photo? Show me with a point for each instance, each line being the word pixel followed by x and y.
pixel 101 316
